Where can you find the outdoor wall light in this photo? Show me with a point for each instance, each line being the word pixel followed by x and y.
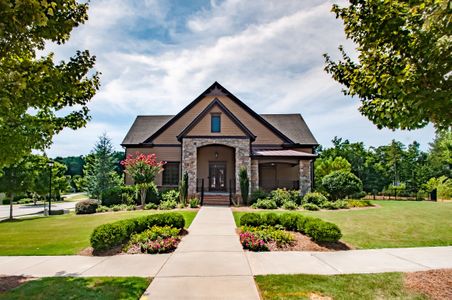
pixel 216 154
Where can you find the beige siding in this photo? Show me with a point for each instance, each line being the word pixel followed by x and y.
pixel 228 127
pixel 264 135
pixel 172 154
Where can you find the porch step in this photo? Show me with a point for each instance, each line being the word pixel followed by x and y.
pixel 216 200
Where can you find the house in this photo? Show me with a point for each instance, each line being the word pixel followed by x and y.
pixel 217 134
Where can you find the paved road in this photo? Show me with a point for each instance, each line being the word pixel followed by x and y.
pixel 30 209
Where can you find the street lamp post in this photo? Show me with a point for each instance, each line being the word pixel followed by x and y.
pixel 50 186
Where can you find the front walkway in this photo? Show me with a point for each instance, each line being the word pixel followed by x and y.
pixel 208 264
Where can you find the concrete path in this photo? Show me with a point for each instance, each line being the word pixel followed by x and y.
pixel 208 264
pixel 30 209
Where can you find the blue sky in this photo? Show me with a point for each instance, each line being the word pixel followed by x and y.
pixel 156 56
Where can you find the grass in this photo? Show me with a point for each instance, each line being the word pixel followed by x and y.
pixel 353 286
pixel 79 288
pixel 60 235
pixel 76 198
pixel 394 224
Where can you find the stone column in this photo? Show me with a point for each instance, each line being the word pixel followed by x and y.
pixel 189 163
pixel 242 158
pixel 254 174
pixel 305 176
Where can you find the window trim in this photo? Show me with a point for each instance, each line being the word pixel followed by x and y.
pixel 212 117
pixel 178 173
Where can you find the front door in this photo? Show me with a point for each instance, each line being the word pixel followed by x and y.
pixel 217 176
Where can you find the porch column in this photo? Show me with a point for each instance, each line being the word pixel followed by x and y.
pixel 242 158
pixel 305 176
pixel 189 164
pixel 254 174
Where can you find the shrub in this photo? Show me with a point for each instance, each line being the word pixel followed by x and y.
pixel 152 195
pixel 160 245
pixel 194 202
pixel 321 231
pixel 310 206
pixel 340 184
pixel 290 205
pixel 280 196
pixel 341 204
pixel 102 208
pixel 57 212
pixel 154 233
pixel 270 234
pixel 289 221
pixel 168 204
pixel 125 194
pixel 303 221
pixel 256 195
pixel 270 219
pixel 295 196
pixel 251 219
pixel 109 235
pixel 25 201
pixel 358 203
pixel 244 183
pixel 328 205
pixel 358 195
pixel 6 201
pixel 252 242
pixel 151 206
pixel 170 195
pixel 314 198
pixel 86 207
pixel 265 204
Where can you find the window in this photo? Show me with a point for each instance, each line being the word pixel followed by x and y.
pixel 215 123
pixel 171 173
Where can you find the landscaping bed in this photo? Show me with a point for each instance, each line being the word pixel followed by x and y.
pixel 288 232
pixel 158 233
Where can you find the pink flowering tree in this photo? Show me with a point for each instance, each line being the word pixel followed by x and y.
pixel 142 168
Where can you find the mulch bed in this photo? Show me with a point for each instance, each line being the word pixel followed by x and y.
pixel 437 284
pixel 250 209
pixel 10 282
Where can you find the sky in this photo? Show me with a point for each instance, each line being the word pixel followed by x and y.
pixel 156 56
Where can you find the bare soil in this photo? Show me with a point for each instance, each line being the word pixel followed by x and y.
pixel 437 284
pixel 10 282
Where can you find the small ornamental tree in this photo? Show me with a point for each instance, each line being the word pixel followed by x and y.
pixel 142 168
pixel 244 184
pixel 183 189
pixel 340 184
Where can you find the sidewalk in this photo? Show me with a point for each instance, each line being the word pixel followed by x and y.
pixel 208 264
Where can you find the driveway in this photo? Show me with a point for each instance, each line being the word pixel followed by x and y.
pixel 30 209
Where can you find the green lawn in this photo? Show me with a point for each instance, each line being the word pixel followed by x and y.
pixel 356 286
pixel 102 288
pixel 60 235
pixel 76 198
pixel 394 224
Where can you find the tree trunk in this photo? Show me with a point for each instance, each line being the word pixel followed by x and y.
pixel 11 206
pixel 143 197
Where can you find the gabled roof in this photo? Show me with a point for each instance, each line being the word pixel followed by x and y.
pixel 218 89
pixel 143 127
pixel 293 126
pixel 216 102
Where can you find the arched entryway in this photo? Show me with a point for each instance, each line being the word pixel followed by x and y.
pixel 216 167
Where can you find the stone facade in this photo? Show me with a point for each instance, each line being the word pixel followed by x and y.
pixel 189 157
pixel 254 181
pixel 305 176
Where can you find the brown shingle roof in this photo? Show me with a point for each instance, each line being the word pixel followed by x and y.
pixel 291 125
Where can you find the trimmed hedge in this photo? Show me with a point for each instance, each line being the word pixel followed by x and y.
pixel 315 228
pixel 86 207
pixel 110 235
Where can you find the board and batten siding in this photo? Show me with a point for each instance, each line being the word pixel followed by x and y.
pixel 262 133
pixel 171 154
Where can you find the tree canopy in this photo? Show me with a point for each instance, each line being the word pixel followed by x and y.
pixel 403 73
pixel 38 97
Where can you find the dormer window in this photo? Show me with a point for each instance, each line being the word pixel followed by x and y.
pixel 215 123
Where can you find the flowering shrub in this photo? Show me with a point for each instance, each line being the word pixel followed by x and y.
pixel 160 245
pixel 252 242
pixel 168 204
pixel 270 234
pixel 157 239
pixel 142 168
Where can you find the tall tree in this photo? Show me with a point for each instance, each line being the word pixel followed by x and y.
pixel 38 97
pixel 100 168
pixel 403 73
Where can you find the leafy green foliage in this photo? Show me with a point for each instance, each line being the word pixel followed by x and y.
pixel 244 184
pixel 194 202
pixel 86 207
pixel 321 231
pixel 168 204
pixel 256 195
pixel 325 166
pixel 183 189
pixel 442 184
pixel 358 203
pixel 340 184
pixel 310 206
pixel 280 196
pixel 402 75
pixel 270 234
pixel 39 98
pixel 265 204
pixel 290 205
pixel 314 198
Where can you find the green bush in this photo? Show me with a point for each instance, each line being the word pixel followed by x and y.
pixel 341 184
pixel 310 206
pixel 86 207
pixel 270 234
pixel 358 203
pixel 303 221
pixel 170 195
pixel 151 206
pixel 314 198
pixel 328 205
pixel 290 220
pixel 152 195
pixel 256 195
pixel 110 235
pixel 102 208
pixel 122 207
pixel 194 202
pixel 251 219
pixel 154 233
pixel 265 204
pixel 290 205
pixel 57 212
pixel 341 204
pixel 270 219
pixel 6 201
pixel 358 195
pixel 280 196
pixel 321 231
pixel 168 204
pixel 25 201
